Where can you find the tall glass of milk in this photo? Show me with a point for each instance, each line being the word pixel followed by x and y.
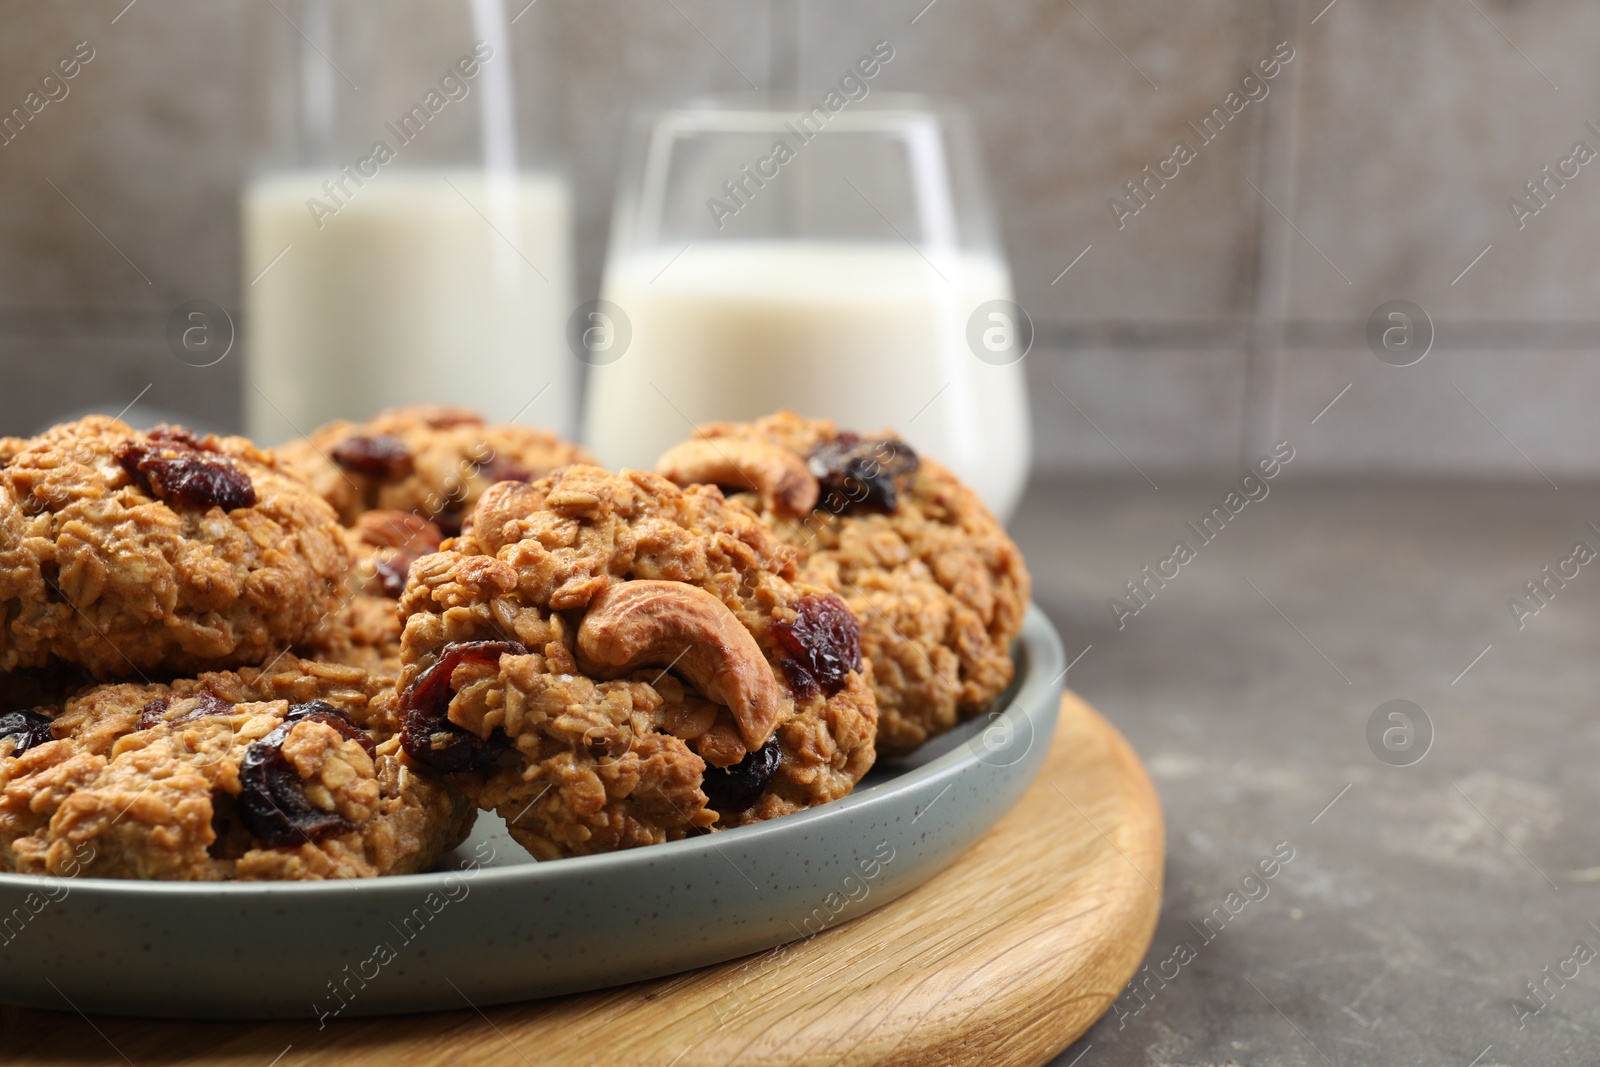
pixel 406 238
pixel 836 257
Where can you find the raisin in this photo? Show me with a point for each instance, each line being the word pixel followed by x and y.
pixel 862 472
pixel 426 732
pixel 391 574
pixel 325 713
pixel 501 469
pixel 179 475
pixel 380 456
pixel 232 839
pixel 177 435
pixel 272 803
pixel 734 789
pixel 449 522
pixel 152 713
pixel 155 712
pixel 25 730
pixel 820 648
pixel 409 537
pixel 387 573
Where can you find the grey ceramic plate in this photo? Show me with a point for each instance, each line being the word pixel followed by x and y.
pixel 499 927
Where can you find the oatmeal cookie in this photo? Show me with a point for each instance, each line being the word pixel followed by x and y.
pixel 365 631
pixel 160 552
pixel 430 460
pixel 292 772
pixel 611 661
pixel 938 586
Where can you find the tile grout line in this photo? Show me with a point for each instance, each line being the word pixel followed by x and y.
pixel 1269 311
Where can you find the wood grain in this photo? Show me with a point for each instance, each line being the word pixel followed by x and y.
pixel 1002 959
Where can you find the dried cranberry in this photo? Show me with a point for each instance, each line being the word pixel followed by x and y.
pixel 820 647
pixel 177 435
pixel 25 730
pixel 862 472
pixel 325 713
pixel 207 703
pixel 426 732
pixel 153 713
pixel 179 476
pixel 272 802
pixel 734 789
pixel 380 456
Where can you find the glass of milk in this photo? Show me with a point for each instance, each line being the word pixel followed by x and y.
pixel 406 238
pixel 836 257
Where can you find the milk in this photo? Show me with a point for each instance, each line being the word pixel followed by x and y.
pixel 442 285
pixel 871 334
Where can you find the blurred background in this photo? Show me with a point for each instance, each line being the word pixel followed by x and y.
pixel 1227 312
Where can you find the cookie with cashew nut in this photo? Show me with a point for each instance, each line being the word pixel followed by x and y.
pixel 133 553
pixel 292 772
pixel 939 588
pixel 430 460
pixel 608 661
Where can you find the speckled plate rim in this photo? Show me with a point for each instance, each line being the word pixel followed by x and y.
pixel 1027 715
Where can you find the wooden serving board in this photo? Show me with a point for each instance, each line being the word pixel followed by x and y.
pixel 1002 959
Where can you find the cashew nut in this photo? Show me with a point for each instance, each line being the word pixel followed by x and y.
pixel 670 624
pixel 779 475
pixel 396 529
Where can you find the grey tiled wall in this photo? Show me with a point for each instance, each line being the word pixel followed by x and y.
pixel 1230 310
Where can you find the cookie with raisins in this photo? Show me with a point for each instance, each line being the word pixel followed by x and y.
pixel 430 461
pixel 607 661
pixel 165 552
pixel 938 587
pixel 365 631
pixel 292 772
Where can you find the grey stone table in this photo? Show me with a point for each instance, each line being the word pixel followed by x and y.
pixel 1421 900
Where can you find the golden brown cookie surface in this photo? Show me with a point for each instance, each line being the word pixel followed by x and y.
pixel 365 630
pixel 430 461
pixel 624 662
pixel 938 586
pixel 161 552
pixel 292 772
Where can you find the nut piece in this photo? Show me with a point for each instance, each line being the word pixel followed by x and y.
pixel 670 624
pixel 779 475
